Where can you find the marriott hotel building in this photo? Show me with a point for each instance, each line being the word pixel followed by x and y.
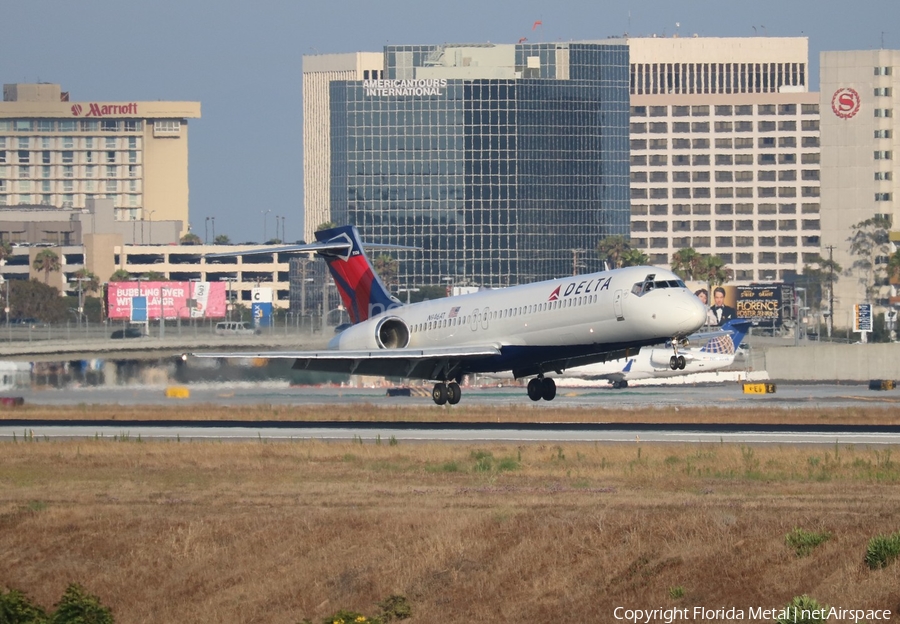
pixel 59 153
pixel 503 163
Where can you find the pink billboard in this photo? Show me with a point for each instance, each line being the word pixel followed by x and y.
pixel 169 299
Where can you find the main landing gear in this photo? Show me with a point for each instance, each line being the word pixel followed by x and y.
pixel 677 362
pixel 620 384
pixel 541 388
pixel 446 393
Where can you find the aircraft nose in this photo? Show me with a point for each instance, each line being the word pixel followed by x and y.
pixel 688 314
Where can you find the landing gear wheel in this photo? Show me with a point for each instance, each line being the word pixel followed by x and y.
pixel 673 363
pixel 534 389
pixel 548 389
pixel 453 393
pixel 616 385
pixel 439 393
pixel 623 383
pixel 681 362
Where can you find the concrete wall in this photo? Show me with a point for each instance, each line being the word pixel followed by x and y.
pixel 830 362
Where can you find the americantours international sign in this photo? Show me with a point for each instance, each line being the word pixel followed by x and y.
pixel 383 88
pixel 102 110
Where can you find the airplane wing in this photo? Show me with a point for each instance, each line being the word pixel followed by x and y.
pixel 415 363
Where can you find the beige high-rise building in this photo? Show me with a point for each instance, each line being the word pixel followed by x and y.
pixel 860 126
pixel 60 153
pixel 318 73
pixel 725 152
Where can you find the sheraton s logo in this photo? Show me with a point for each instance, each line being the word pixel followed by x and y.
pixel 845 103
pixel 104 110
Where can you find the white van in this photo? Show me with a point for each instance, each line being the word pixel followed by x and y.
pixel 235 328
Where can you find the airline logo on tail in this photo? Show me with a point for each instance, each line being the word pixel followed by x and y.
pixel 362 292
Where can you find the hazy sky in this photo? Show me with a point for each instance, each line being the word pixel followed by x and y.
pixel 242 61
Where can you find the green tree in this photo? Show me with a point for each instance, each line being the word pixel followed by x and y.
pixel 32 299
pixel 89 281
pixel 191 239
pixel 120 275
pixel 387 269
pixel 5 251
pixel 154 276
pixel 819 277
pixel 611 249
pixel 222 239
pixel 46 261
pixel 326 226
pixel 634 257
pixel 687 263
pixel 77 606
pixel 893 267
pixel 712 270
pixel 16 608
pixel 870 243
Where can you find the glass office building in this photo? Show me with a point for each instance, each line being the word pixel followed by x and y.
pixel 505 164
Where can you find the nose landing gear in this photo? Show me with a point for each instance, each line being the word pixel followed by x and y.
pixel 541 388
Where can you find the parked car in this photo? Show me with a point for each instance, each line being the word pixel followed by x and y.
pixel 235 328
pixel 130 332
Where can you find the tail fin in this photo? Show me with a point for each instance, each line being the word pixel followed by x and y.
pixel 363 293
pixel 728 343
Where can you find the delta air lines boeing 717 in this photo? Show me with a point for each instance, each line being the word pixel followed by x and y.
pixel 530 330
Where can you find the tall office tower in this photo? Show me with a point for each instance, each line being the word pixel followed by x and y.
pixel 860 125
pixel 725 152
pixel 318 73
pixel 60 153
pixel 503 163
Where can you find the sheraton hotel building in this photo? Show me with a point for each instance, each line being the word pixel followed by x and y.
pixel 503 163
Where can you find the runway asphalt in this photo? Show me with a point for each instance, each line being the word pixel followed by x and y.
pixel 786 396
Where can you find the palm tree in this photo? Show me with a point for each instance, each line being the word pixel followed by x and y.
pixel 611 249
pixel 634 257
pixel 712 269
pixel 46 261
pixel 120 275
pixel 686 262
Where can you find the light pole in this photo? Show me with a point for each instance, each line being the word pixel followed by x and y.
pixel 6 307
pixel 206 231
pixel 798 289
pixel 81 281
pixel 265 214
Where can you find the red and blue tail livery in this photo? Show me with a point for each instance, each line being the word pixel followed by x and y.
pixel 362 291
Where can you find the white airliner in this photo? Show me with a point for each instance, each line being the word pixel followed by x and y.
pixel 529 330
pixel 717 352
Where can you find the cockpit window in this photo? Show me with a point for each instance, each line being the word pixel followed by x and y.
pixel 650 283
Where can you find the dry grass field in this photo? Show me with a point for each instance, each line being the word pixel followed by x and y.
pixel 526 412
pixel 275 532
